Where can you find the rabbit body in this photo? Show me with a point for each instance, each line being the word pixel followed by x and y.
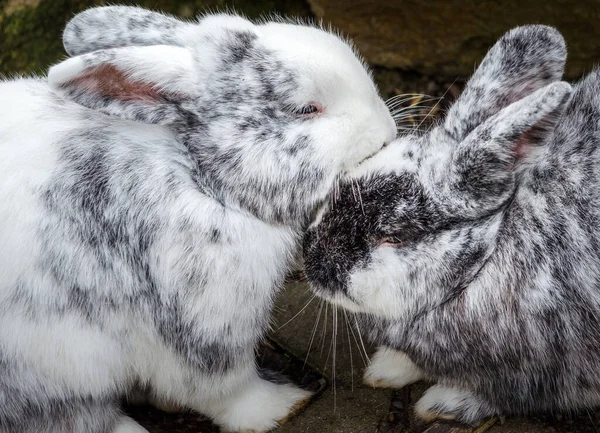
pixel 475 251
pixel 117 269
pixel 149 214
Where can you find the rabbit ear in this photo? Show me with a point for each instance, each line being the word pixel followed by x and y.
pixel 125 26
pixel 484 163
pixel 522 61
pixel 144 84
pixel 122 26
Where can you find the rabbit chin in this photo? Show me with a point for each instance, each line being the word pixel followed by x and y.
pixel 339 299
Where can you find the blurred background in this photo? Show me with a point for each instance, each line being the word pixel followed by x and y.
pixel 413 45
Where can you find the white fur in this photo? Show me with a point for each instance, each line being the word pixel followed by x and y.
pixel 441 402
pixel 390 368
pixel 127 425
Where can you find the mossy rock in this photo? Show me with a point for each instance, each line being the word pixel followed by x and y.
pixel 448 38
pixel 31 30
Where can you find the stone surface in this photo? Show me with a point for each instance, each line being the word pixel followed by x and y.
pixel 449 37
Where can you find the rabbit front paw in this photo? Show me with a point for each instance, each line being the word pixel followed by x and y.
pixel 390 368
pixel 261 406
pixel 446 403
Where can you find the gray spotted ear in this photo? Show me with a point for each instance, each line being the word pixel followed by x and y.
pixel 145 84
pixel 525 59
pixel 481 174
pixel 122 26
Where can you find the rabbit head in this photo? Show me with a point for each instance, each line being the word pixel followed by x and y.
pixel 269 114
pixel 416 222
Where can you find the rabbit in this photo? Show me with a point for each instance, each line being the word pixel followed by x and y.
pixel 153 190
pixel 471 252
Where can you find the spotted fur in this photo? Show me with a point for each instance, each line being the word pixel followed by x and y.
pixel 474 248
pixel 153 192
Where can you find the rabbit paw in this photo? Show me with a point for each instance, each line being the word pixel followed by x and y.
pixel 261 407
pixel 445 403
pixel 390 368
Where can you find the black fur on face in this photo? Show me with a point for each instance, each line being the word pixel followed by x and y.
pixel 392 211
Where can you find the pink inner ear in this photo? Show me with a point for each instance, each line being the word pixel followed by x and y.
pixel 523 145
pixel 109 82
pixel 532 136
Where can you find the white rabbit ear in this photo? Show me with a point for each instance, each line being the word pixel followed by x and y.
pixel 144 84
pixel 126 26
pixel 525 59
pixel 122 26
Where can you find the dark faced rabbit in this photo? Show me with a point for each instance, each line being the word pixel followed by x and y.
pixel 153 191
pixel 473 249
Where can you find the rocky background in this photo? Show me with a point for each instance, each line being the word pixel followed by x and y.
pixel 413 45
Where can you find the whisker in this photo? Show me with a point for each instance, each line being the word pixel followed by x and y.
pixel 438 103
pixel 411 109
pixel 409 115
pixel 361 339
pixel 362 208
pixel 414 105
pixel 350 347
pixel 298 313
pixel 331 341
pixel 403 97
pixel 362 357
pixel 413 102
pixel 314 331
pixel 409 95
pixel 335 327
pixel 324 333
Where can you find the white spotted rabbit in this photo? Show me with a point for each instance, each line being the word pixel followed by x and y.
pixel 153 191
pixel 475 250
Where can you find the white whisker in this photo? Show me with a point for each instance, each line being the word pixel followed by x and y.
pixel 361 340
pixel 335 328
pixel 350 347
pixel 437 103
pixel 360 198
pixel 314 331
pixel 403 97
pixel 298 313
pixel 411 104
pixel 362 356
pixel 324 332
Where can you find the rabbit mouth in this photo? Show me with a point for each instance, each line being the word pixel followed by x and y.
pixel 371 155
pixel 367 158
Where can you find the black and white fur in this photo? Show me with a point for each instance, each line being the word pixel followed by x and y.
pixel 153 191
pixel 473 250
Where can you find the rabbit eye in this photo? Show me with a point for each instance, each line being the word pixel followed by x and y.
pixel 393 241
pixel 308 110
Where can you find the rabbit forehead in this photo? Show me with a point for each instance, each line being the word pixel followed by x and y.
pixel 319 55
